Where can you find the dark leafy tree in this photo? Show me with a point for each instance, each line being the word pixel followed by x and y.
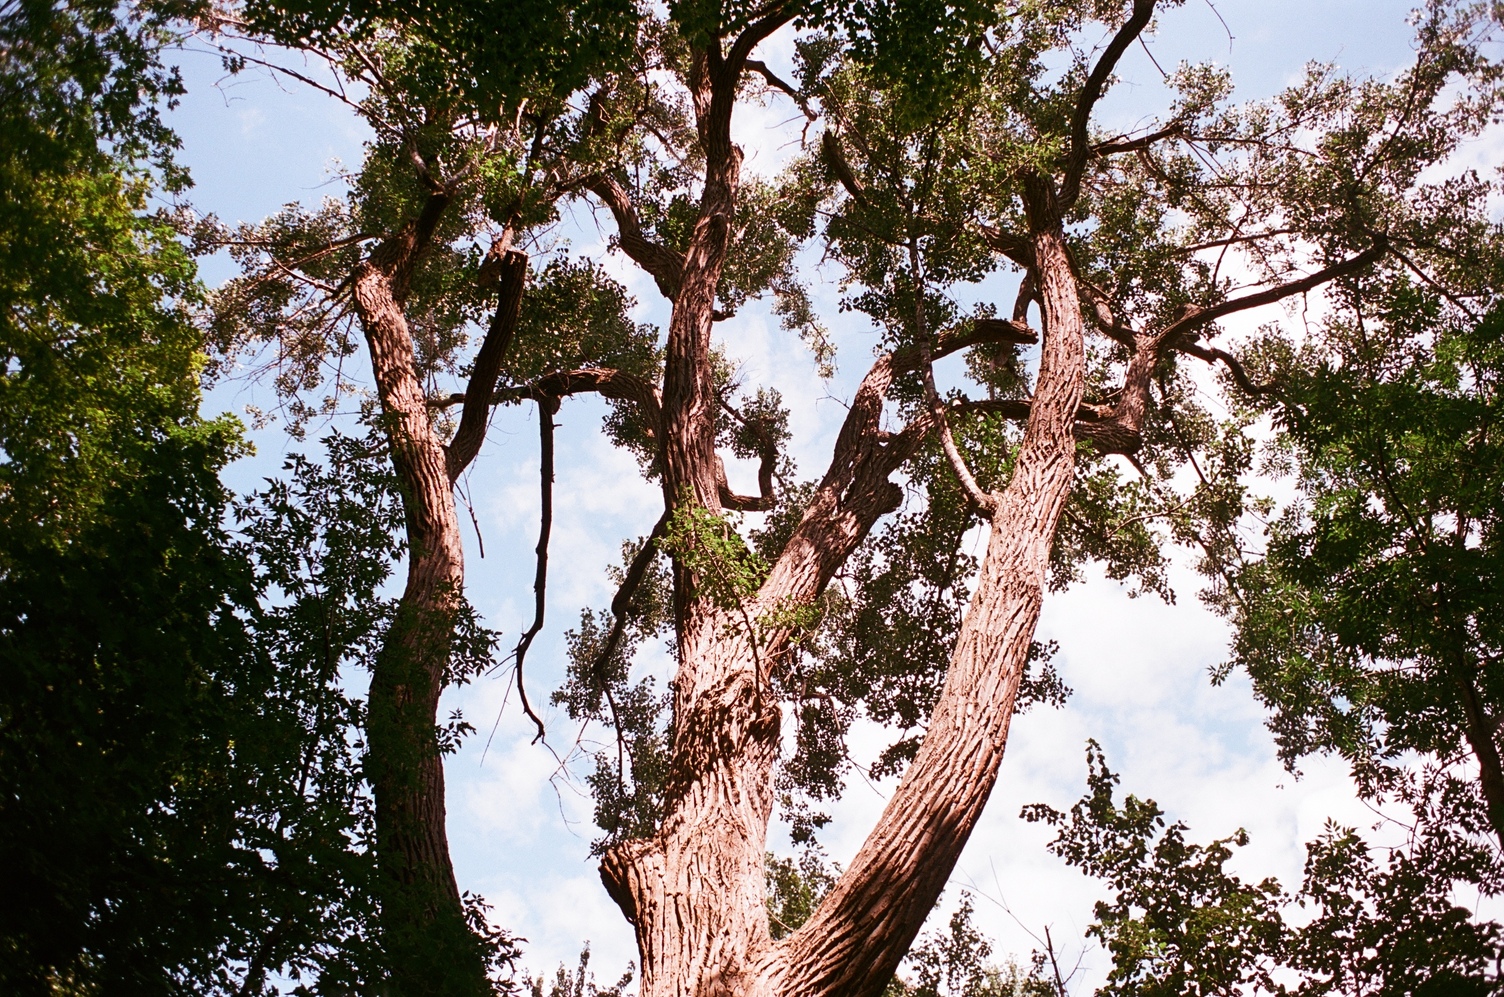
pixel 1177 922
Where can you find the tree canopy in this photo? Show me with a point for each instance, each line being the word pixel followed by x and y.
pixel 221 738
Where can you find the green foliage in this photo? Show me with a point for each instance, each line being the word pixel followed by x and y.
pixel 126 676
pixel 955 963
pixel 627 782
pixel 580 982
pixel 1177 922
pixel 564 43
pixel 97 358
pixel 707 546
pixel 1371 622
pixel 795 888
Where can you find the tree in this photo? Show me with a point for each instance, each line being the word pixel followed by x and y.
pixel 455 162
pixel 1368 626
pixel 180 802
pixel 1177 922
pixel 941 161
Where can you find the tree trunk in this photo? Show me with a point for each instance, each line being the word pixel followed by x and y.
pixel 695 892
pixel 1480 731
pixel 428 946
pixel 856 939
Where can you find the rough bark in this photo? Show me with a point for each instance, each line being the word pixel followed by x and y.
pixel 428 946
pixel 855 941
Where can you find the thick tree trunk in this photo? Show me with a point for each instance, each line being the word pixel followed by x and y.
pixel 855 941
pixel 695 892
pixel 428 946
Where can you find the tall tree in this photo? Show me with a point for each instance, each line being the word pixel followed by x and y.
pixel 459 161
pixel 941 161
pixel 179 807
pixel 935 188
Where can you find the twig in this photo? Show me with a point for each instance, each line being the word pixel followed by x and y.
pixel 983 499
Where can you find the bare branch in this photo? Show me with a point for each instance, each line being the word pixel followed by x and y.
pixel 472 430
pixel 1236 240
pixel 1107 320
pixel 545 528
pixel 766 497
pixel 605 381
pixel 779 83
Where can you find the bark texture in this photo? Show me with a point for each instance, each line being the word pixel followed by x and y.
pixel 695 890
pixel 856 939
pixel 429 947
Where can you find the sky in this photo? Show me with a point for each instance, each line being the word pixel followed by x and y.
pixel 519 824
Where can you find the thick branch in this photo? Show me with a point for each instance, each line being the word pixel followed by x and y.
pixel 860 932
pixel 397 255
pixel 605 381
pixel 664 264
pixel 766 497
pixel 835 158
pixel 472 430
pixel 1009 244
pixel 1198 317
pixel 636 571
pixel 1123 143
pixel 1093 422
pixel 1080 149
pixel 778 14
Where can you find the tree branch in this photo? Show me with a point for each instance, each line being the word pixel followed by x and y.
pixel 835 158
pixel 1080 148
pixel 1122 143
pixel 605 381
pixel 636 571
pixel 779 83
pixel 778 14
pixel 1094 423
pixel 665 265
pixel 546 409
pixel 1198 317
pixel 472 430
pixel 1211 354
pixel 766 497
pixel 1015 247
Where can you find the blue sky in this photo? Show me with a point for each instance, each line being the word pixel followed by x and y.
pixel 519 826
